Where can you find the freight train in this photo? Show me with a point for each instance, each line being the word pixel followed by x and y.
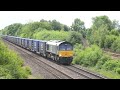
pixel 57 50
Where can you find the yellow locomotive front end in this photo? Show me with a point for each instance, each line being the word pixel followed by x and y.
pixel 65 53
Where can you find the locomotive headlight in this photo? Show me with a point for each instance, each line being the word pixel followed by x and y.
pixel 60 55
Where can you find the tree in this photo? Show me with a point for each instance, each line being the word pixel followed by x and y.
pixel 66 28
pixel 12 29
pixel 74 37
pixel 42 20
pixel 78 25
pixel 56 25
pixel 102 20
pixel 116 25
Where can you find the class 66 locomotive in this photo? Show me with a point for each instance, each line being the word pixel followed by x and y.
pixel 60 51
pixel 57 50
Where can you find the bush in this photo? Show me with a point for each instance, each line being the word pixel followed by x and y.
pixel 118 70
pixel 4 73
pixel 116 45
pixel 111 65
pixel 109 41
pixel 11 65
pixel 102 60
pixel 28 69
pixel 88 57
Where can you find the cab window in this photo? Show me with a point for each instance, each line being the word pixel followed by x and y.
pixel 69 47
pixel 65 47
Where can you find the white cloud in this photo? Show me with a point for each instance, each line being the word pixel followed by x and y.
pixel 65 17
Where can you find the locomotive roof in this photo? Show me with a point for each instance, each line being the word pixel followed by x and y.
pixel 55 42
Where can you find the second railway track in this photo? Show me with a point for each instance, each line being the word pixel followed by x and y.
pixel 84 72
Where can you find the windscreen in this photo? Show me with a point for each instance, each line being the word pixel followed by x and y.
pixel 65 47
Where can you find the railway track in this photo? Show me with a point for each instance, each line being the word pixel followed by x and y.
pixel 59 71
pixel 42 63
pixel 84 72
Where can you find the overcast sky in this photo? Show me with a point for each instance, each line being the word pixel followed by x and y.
pixel 64 17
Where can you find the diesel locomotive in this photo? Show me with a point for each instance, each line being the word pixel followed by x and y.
pixel 57 50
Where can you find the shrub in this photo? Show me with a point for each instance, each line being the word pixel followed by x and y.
pixel 118 70
pixel 102 60
pixel 111 65
pixel 89 56
pixel 116 45
pixel 109 41
pixel 11 65
pixel 4 73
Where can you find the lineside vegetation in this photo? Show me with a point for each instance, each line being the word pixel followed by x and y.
pixel 11 65
pixel 103 34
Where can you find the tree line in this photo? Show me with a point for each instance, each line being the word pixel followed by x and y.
pixel 103 33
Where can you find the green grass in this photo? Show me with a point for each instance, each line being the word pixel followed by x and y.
pixel 109 74
pixel 33 77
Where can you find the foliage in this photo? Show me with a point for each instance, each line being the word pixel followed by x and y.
pixel 11 65
pixel 12 29
pixel 74 37
pixel 118 70
pixel 115 25
pixel 102 60
pixel 66 28
pixel 109 39
pixel 108 74
pixel 51 35
pixel 77 25
pixel 103 33
pixel 94 57
pixel 101 20
pixel 56 25
pixel 114 32
pixel 111 65
pixel 116 45
pixel 89 56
